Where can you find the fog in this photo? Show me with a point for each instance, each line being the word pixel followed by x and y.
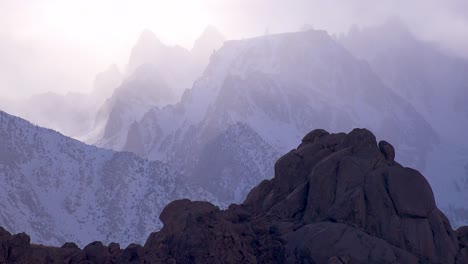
pixel 60 46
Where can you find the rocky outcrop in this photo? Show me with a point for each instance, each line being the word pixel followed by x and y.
pixel 337 198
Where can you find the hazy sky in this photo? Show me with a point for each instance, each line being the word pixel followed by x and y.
pixel 59 45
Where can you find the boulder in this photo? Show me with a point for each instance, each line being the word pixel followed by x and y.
pixel 387 150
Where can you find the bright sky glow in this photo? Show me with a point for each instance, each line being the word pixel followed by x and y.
pixel 60 45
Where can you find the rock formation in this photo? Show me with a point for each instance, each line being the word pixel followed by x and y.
pixel 337 198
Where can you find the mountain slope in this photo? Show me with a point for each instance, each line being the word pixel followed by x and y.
pixel 434 81
pixel 229 166
pixel 336 198
pixel 279 86
pixel 58 189
pixel 145 89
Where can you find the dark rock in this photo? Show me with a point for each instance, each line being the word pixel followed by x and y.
pixel 4 233
pixel 96 252
pixel 462 235
pixel 337 260
pixel 337 199
pixel 387 150
pixel 70 245
pixel 133 253
pixel 410 192
pixel 361 140
pixel 19 248
pixel 314 135
pixel 114 248
pixel 258 193
pixel 338 239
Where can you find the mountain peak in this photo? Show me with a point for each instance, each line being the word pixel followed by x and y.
pixel 105 82
pixel 147 48
pixel 210 39
pixel 148 37
pixel 211 30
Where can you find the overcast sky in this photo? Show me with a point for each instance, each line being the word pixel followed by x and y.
pixel 59 45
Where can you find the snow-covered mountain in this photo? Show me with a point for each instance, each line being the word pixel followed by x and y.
pixel 58 189
pixel 178 66
pixel 231 162
pixel 432 80
pixel 208 42
pixel 277 87
pixel 157 76
pixel 145 89
pixel 435 82
pixel 172 62
pixel 105 83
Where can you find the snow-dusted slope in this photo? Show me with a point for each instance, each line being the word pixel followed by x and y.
pixel 447 172
pixel 436 84
pixel 58 189
pixel 145 89
pixel 279 87
pixel 232 162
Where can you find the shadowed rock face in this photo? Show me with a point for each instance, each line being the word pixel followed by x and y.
pixel 337 198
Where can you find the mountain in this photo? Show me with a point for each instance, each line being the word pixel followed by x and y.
pixel 434 81
pixel 178 66
pixel 145 89
pixel 173 62
pixel 105 84
pixel 336 198
pixel 58 189
pixel 436 84
pixel 157 75
pixel 277 87
pixel 228 164
pixel 209 41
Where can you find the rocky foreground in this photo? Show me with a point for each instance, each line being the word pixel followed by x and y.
pixel 337 198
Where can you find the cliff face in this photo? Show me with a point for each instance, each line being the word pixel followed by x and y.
pixel 337 198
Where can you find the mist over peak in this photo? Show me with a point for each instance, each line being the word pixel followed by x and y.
pixel 210 32
pixel 106 81
pixel 210 39
pixel 148 37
